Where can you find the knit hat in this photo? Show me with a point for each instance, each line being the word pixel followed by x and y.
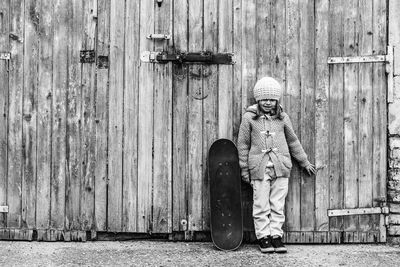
pixel 267 88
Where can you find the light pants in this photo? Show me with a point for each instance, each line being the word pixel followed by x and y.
pixel 268 202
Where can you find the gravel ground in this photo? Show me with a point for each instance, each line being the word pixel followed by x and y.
pixel 160 253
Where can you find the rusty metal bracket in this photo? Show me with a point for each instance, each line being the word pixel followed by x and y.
pixel 87 56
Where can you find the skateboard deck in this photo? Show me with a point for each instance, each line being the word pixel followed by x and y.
pixel 225 195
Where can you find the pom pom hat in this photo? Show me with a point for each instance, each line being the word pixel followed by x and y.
pixel 267 88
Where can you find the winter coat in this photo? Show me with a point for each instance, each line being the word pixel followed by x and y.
pixel 263 138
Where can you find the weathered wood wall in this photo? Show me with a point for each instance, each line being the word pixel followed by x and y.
pixel 121 146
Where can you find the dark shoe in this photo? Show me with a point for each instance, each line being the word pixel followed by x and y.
pixel 278 245
pixel 265 245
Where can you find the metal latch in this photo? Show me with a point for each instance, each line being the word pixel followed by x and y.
pixel 192 57
pixel 158 36
pixel 5 55
pixel 4 209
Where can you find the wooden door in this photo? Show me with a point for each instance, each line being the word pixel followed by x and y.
pixel 112 144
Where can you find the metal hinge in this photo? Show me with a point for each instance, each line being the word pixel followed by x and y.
pixel 158 36
pixel 5 55
pixel 4 209
pixel 358 211
pixel 387 59
pixel 192 57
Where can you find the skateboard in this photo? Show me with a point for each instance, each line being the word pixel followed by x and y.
pixel 225 195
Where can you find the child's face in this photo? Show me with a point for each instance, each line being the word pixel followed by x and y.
pixel 267 105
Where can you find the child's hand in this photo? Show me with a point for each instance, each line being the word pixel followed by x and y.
pixel 310 169
pixel 246 178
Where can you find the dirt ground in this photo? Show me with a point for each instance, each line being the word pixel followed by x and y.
pixel 160 253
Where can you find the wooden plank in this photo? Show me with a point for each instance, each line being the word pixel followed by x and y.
pixel 366 132
pixel 29 122
pixel 59 86
pixel 116 91
pixel 162 162
pixel 73 127
pixel 15 150
pixel 46 186
pixel 102 89
pixel 145 120
pixel 180 117
pixel 264 38
pixel 249 60
pixel 293 100
pixel 335 166
pixel 379 115
pixel 131 84
pixel 249 72
pixel 195 128
pixel 278 42
pixel 210 103
pixel 88 137
pixel 307 132
pixel 351 110
pixel 225 78
pixel 321 237
pixel 4 91
pixel 321 115
pixel 237 68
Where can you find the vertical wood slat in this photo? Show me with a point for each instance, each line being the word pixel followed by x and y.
pixel 321 115
pixel 101 176
pixel 162 161
pixel 225 79
pixel 50 191
pixel 263 40
pixel 180 117
pixel 336 133
pixel 278 42
pixel 249 74
pixel 210 103
pixel 14 182
pixel 351 109
pixel 88 164
pixel 293 107
pixel 73 127
pixel 365 113
pixel 116 100
pixel 307 77
pixel 249 60
pixel 4 114
pixel 30 88
pixel 379 96
pixel 195 127
pixel 237 48
pixel 146 120
pixel 379 115
pixel 130 153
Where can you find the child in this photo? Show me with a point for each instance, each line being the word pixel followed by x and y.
pixel 265 143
